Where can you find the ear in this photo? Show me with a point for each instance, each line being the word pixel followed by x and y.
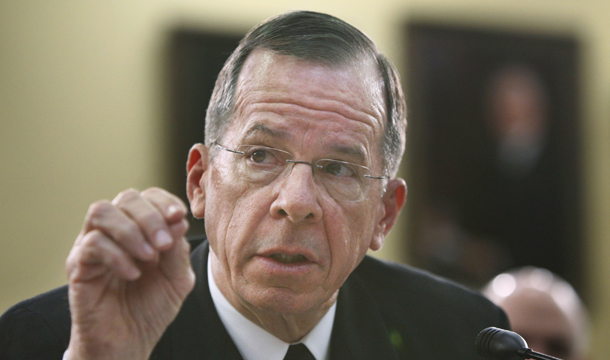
pixel 196 166
pixel 392 202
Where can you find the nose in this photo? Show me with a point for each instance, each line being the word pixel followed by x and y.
pixel 297 199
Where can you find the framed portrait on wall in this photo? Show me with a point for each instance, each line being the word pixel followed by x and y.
pixel 493 152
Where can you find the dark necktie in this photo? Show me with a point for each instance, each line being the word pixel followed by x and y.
pixel 298 352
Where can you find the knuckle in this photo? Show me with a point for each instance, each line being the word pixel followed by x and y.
pixel 179 228
pixel 162 196
pixel 153 191
pixel 151 218
pixel 91 240
pixel 178 206
pixel 126 196
pixel 98 209
pixel 186 225
pixel 127 230
pixel 72 258
pixel 85 249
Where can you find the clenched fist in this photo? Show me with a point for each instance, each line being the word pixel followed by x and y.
pixel 128 272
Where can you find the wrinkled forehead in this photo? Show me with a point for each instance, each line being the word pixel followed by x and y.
pixel 353 89
pixel 343 103
pixel 267 67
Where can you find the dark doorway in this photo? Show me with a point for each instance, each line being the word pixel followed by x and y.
pixel 493 147
pixel 195 59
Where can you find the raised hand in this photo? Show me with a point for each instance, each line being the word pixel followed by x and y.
pixel 129 271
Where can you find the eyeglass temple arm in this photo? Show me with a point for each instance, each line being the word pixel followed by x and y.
pixel 376 177
pixel 229 150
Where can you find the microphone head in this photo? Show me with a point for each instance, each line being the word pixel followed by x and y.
pixel 499 344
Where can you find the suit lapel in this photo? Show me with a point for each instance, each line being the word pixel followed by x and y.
pixel 197 332
pixel 359 331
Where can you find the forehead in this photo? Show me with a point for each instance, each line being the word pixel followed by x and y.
pixel 291 93
pixel 536 311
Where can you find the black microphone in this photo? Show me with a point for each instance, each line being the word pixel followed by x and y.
pixel 498 344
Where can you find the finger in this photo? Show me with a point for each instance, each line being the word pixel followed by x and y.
pixel 147 216
pixel 175 258
pixel 176 266
pixel 178 229
pixel 121 228
pixel 96 255
pixel 172 208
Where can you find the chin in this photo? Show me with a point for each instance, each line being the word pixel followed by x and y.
pixel 286 301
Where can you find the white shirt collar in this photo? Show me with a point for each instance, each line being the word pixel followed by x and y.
pixel 255 343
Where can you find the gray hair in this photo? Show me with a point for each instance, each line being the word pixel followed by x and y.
pixel 319 38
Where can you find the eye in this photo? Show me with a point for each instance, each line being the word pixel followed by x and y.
pixel 264 156
pixel 559 347
pixel 260 156
pixel 338 168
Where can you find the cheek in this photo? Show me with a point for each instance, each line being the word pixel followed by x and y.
pixel 349 233
pixel 222 198
pixel 233 213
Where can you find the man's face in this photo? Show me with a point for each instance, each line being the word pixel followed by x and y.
pixel 313 112
pixel 543 324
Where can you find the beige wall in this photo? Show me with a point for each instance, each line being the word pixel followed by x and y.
pixel 82 105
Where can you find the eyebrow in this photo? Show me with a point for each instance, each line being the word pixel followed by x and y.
pixel 258 128
pixel 349 150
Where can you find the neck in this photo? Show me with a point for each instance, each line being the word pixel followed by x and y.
pixel 288 327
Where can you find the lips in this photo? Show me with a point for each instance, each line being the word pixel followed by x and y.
pixel 288 259
pixel 289 256
pixel 285 267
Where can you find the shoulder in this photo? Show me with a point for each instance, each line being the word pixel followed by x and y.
pixel 51 308
pixel 36 328
pixel 382 277
pixel 439 317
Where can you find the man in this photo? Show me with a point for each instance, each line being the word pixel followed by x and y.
pixel 544 309
pixel 296 181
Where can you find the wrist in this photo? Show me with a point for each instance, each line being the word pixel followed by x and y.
pixel 95 350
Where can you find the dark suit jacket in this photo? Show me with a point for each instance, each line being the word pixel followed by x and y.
pixel 384 311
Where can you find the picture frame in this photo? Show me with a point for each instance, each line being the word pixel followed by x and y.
pixel 493 152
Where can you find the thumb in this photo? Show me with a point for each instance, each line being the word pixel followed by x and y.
pixel 175 262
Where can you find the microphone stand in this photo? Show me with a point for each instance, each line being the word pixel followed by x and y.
pixel 527 353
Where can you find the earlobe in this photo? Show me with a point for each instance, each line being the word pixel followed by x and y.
pixel 392 202
pixel 196 166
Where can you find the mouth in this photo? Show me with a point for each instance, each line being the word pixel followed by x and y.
pixel 288 259
pixel 295 264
